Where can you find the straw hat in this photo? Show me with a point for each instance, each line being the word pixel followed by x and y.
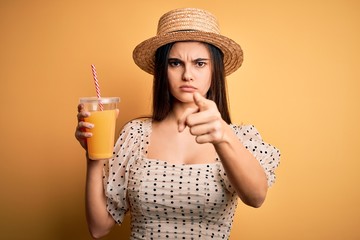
pixel 188 24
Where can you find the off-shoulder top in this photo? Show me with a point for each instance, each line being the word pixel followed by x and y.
pixel 175 201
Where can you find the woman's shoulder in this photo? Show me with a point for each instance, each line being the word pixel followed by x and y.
pixel 138 121
pixel 137 124
pixel 245 130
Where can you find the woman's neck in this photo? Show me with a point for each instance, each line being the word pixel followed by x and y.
pixel 178 110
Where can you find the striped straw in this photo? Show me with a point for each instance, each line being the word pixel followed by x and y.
pixel 97 86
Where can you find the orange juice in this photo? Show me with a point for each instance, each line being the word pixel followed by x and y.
pixel 100 145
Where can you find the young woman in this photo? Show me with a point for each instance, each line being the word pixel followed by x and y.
pixel 180 172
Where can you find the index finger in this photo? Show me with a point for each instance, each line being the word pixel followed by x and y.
pixel 80 107
pixel 200 101
pixel 82 113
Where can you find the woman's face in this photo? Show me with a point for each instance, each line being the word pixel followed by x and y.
pixel 189 70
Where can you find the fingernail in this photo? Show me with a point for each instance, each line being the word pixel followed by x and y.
pixel 90 125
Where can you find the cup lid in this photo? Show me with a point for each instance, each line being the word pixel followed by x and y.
pixel 104 100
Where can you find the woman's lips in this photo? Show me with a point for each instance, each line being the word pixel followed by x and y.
pixel 187 88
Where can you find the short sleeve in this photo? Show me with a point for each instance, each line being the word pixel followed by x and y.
pixel 116 170
pixel 267 155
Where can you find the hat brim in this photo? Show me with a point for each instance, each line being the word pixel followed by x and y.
pixel 144 53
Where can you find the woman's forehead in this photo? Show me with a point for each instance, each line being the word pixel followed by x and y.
pixel 190 49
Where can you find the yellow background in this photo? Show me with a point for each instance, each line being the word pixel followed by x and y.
pixel 299 85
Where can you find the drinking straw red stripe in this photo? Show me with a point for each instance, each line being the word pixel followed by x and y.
pixel 97 86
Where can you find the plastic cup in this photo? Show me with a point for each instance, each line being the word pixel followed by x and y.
pixel 101 144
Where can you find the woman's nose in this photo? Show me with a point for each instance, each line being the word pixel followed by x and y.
pixel 187 75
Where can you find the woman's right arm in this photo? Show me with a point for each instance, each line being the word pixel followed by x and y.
pixel 99 220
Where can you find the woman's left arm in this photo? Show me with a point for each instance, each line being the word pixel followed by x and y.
pixel 243 170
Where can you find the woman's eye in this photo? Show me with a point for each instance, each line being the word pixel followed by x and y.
pixel 200 64
pixel 174 63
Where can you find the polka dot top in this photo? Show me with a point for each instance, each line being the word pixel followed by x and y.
pixel 175 201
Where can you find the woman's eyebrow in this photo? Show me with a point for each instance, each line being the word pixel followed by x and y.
pixel 195 60
pixel 201 59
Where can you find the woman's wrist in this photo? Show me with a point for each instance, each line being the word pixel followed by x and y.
pixel 94 163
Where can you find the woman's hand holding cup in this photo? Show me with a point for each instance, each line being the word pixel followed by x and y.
pixel 80 133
